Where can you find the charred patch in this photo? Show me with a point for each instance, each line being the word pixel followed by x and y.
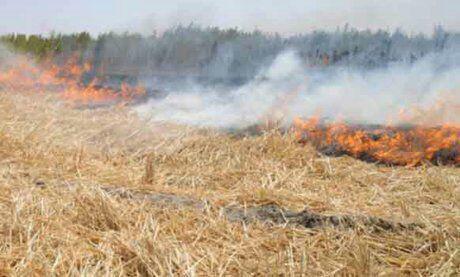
pixel 269 213
pixel 275 214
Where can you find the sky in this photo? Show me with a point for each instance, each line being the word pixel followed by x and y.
pixel 285 17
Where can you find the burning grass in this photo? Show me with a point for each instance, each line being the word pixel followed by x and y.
pixel 70 79
pixel 58 166
pixel 402 146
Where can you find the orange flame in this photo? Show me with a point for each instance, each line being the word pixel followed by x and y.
pixel 65 79
pixel 409 146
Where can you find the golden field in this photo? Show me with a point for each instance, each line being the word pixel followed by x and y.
pixel 71 179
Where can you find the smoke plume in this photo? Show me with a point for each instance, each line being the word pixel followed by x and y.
pixel 425 92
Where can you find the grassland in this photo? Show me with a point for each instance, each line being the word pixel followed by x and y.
pixel 59 166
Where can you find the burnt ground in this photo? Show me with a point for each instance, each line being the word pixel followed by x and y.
pixel 270 213
pixel 445 156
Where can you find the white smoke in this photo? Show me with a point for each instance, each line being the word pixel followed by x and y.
pixel 289 89
pixel 238 108
pixel 6 57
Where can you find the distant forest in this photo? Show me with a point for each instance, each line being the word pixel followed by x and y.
pixel 230 53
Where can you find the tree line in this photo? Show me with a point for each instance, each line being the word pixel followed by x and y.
pixel 48 46
pixel 220 53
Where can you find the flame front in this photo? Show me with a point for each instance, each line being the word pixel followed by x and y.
pixel 22 75
pixel 409 146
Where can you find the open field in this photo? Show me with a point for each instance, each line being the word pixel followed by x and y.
pixel 103 192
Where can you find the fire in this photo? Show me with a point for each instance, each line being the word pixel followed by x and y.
pixel 406 146
pixel 66 79
pixel 412 145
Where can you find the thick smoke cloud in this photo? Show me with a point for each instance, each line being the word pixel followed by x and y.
pixel 426 92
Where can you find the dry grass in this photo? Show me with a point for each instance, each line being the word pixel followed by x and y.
pixel 57 219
